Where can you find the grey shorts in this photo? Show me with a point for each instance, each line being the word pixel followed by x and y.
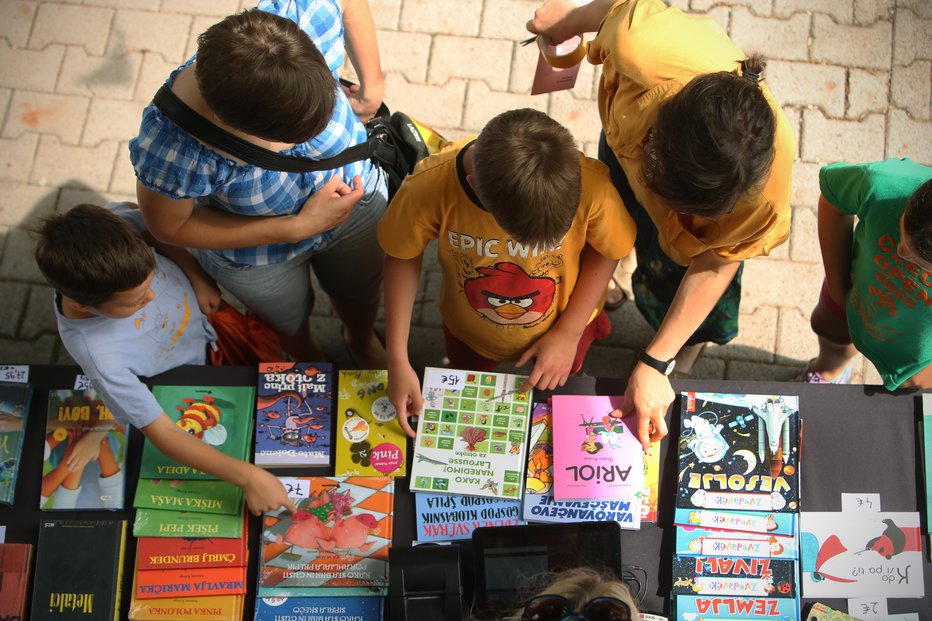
pixel 349 268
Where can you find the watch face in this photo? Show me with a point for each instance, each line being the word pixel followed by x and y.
pixel 670 366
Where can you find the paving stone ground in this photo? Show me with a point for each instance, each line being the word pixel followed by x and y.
pixel 853 76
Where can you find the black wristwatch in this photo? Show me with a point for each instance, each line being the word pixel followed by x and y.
pixel 664 366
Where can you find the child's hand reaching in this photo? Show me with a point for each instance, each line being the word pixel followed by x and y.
pixel 404 391
pixel 85 450
pixel 264 492
pixel 555 352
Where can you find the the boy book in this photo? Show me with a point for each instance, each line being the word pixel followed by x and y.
pixel 15 562
pixel 739 451
pixel 736 576
pixel 293 420
pixel 743 521
pixel 189 495
pixel 78 570
pixel 472 436
pixel 339 537
pixel 595 455
pixel 319 608
pixel 160 523
pixel 448 517
pixel 193 581
pixel 220 416
pixel 695 541
pixel 14 407
pixel 370 442
pixel 85 454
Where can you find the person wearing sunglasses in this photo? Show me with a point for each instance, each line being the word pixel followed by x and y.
pixel 580 594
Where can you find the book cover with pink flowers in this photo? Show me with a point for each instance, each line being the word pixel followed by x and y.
pixel 595 455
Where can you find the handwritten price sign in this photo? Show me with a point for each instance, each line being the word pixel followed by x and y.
pixel 446 379
pixel 297 488
pixel 17 373
pixel 81 382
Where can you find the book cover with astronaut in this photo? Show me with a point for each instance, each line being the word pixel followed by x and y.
pixel 739 452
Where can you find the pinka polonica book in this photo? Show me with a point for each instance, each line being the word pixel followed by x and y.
pixel 293 405
pixel 472 437
pixel 739 451
pixel 338 537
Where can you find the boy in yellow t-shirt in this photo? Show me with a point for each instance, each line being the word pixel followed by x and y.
pixel 529 231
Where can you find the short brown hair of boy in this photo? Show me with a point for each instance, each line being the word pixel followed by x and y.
pixel 917 220
pixel 712 142
pixel 526 173
pixel 89 253
pixel 263 75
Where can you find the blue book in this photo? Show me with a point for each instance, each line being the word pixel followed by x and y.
pixel 324 608
pixel 692 607
pixel 449 517
pixel 744 521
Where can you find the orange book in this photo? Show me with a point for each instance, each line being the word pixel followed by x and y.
pixel 213 608
pixel 193 582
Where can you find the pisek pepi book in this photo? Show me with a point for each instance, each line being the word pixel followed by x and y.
pixel 370 442
pixel 162 523
pixel 14 407
pixel 739 452
pixel 78 569
pixel 85 454
pixel 472 436
pixel 596 456
pixel 15 562
pixel 220 416
pixel 293 405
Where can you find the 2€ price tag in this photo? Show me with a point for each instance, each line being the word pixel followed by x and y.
pixel 297 488
pixel 867 608
pixel 17 373
pixel 446 379
pixel 82 382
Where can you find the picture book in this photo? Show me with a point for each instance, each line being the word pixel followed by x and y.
pixel 190 581
pixel 339 536
pixel 472 436
pixel 319 609
pixel 731 608
pixel 85 586
pixel 697 541
pixel 739 452
pixel 15 569
pixel 732 575
pixel 161 523
pixel 202 608
pixel 293 405
pixel 189 495
pixel 821 612
pixel 448 517
pixel 743 521
pixel 861 554
pixel 85 454
pixel 14 408
pixel 220 416
pixel 595 455
pixel 184 552
pixel 370 442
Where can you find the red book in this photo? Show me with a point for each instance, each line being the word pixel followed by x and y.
pixel 14 578
pixel 179 553
pixel 196 582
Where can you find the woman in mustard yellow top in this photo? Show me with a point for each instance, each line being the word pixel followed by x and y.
pixel 700 153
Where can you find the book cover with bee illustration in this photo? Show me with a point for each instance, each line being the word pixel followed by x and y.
pixel 370 442
pixel 293 405
pixel 14 407
pixel 220 416
pixel 472 436
pixel 739 452
pixel 85 454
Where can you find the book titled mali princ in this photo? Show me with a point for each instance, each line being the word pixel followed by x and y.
pixel 78 570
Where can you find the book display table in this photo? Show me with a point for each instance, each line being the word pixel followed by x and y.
pixel 856 439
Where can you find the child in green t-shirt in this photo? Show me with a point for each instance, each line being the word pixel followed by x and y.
pixel 877 292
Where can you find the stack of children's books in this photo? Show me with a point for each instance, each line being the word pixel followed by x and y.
pixel 14 407
pixel 329 559
pixel 197 521
pixel 737 546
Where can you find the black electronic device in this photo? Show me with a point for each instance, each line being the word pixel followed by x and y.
pixel 512 561
pixel 424 583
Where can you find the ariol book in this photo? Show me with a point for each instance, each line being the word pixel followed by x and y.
pixel 861 554
pixel 319 608
pixel 448 517
pixel 732 607
pixel 189 495
pixel 595 455
pixel 85 452
pixel 14 407
pixel 220 416
pixel 160 523
pixel 472 435
pixel 182 552
pixel 339 536
pixel 293 404
pixel 739 452
pixel 783 524
pixel 696 541
pixel 78 570
pixel 370 442
pixel 15 562
pixel 735 576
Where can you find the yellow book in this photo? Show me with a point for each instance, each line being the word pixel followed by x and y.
pixel 370 442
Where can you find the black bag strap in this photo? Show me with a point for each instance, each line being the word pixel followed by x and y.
pixel 199 127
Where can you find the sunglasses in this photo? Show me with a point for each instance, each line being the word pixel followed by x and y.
pixel 558 608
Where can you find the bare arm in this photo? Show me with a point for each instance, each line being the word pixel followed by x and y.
pixel 649 392
pixel 264 492
pixel 836 231
pixel 362 47
pixel 402 277
pixel 561 19
pixel 205 288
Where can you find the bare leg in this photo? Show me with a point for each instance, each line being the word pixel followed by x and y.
pixel 835 348
pixel 302 345
pixel 361 340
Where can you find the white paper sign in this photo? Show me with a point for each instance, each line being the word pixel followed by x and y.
pixel 17 373
pixel 443 379
pixel 860 502
pixel 868 608
pixel 297 488
pixel 81 382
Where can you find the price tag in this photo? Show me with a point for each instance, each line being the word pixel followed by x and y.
pixel 868 608
pixel 17 373
pixel 297 488
pixel 860 502
pixel 81 382
pixel 446 379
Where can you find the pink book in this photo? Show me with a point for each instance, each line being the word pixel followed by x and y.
pixel 595 456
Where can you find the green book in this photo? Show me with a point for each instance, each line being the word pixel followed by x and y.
pixel 186 495
pixel 925 427
pixel 159 523
pixel 221 416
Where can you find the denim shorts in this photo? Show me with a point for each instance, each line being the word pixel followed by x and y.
pixel 349 268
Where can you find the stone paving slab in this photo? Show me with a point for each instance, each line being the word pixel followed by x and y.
pixel 852 75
